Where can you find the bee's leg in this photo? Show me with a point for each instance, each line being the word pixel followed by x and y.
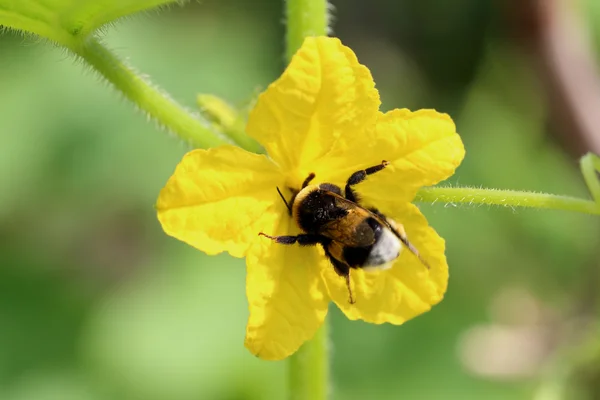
pixel 350 296
pixel 295 192
pixel 342 270
pixel 309 178
pixel 401 234
pixel 302 239
pixel 398 230
pixel 360 176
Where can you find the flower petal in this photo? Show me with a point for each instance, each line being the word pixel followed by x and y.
pixel 322 95
pixel 423 149
pixel 405 290
pixel 286 296
pixel 219 199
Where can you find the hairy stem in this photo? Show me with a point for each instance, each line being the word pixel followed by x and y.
pixel 309 367
pixel 305 18
pixel 147 97
pixel 228 120
pixel 505 198
pixel 590 167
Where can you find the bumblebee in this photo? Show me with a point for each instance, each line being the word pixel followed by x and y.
pixel 351 235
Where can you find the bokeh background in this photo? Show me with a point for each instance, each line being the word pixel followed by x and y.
pixel 97 303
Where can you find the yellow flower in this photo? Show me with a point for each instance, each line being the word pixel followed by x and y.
pixel 321 116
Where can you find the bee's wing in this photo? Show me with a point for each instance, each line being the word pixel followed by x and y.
pixel 351 229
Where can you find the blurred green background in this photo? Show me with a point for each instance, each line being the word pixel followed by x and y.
pixel 97 303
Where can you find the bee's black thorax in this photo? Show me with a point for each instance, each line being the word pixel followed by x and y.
pixel 317 209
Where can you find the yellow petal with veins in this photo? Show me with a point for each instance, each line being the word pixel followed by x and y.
pixel 323 96
pixel 423 149
pixel 219 199
pixel 286 296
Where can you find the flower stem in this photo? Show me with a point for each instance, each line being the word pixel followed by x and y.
pixel 590 167
pixel 309 370
pixel 505 198
pixel 228 120
pixel 305 18
pixel 147 97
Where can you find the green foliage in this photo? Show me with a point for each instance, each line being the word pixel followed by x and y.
pixel 71 22
pixel 68 22
pixel 107 307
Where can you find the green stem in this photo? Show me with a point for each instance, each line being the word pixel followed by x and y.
pixel 309 370
pixel 505 198
pixel 146 96
pixel 590 167
pixel 305 18
pixel 227 120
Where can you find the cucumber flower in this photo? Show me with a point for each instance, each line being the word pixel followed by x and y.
pixel 320 117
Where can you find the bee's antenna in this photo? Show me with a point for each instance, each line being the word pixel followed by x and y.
pixel 284 200
pixel 350 296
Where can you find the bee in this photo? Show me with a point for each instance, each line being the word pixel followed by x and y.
pixel 352 236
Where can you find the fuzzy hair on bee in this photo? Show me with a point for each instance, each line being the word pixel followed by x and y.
pixel 352 236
